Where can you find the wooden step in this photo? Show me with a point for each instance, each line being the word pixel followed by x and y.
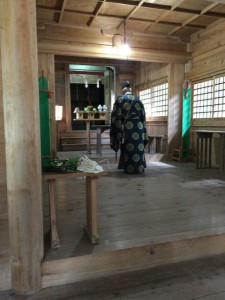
pixel 79 147
pixel 72 143
pixel 98 265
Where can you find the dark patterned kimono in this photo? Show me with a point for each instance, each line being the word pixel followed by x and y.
pixel 128 133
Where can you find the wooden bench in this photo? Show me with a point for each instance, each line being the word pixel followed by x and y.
pixel 155 143
pixel 91 202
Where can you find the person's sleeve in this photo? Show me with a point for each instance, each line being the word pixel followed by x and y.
pixel 143 117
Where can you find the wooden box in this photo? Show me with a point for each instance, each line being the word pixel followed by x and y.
pixel 102 115
pixel 79 115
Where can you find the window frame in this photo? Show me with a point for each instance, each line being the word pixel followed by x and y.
pixel 151 91
pixel 216 99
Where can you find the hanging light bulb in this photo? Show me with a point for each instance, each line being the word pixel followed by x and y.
pixel 86 83
pixel 98 84
pixel 124 49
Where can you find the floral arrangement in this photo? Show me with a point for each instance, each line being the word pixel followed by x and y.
pixel 90 108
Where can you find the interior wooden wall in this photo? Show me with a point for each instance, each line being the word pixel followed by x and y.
pixel 208 59
pixel 147 75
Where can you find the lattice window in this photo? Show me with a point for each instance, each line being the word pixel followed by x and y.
pixel 155 100
pixel 209 98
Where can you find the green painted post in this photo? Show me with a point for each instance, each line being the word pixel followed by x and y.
pixel 186 117
pixel 44 119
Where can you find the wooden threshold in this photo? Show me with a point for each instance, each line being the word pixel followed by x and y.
pixel 74 269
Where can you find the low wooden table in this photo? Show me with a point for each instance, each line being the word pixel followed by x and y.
pixel 155 143
pixel 204 148
pixel 91 203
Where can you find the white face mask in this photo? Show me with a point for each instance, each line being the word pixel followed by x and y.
pixel 127 90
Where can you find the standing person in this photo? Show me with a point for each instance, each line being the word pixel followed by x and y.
pixel 128 131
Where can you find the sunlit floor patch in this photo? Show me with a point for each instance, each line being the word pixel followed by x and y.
pixel 204 183
pixel 160 164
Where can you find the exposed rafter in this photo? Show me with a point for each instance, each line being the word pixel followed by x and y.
pixel 62 10
pixel 75 12
pixel 168 7
pixel 132 12
pixel 96 12
pixel 204 11
pixel 157 19
pixel 165 13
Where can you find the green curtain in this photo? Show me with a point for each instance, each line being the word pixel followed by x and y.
pixel 186 117
pixel 44 119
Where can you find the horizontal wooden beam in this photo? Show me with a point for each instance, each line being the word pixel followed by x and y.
pixel 96 265
pixel 94 61
pixel 93 50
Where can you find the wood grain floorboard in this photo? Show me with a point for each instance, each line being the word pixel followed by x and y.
pixel 197 279
pixel 170 201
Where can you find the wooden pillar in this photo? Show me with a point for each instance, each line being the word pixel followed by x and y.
pixel 22 141
pixel 3 190
pixel 67 99
pixel 175 81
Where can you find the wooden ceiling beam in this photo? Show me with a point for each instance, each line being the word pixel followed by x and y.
pixel 135 9
pixel 176 4
pixel 167 7
pixel 93 61
pixel 62 11
pixel 87 50
pixel 146 5
pixel 165 13
pixel 132 12
pixel 48 9
pixel 95 12
pixel 87 72
pixel 188 21
pixel 121 18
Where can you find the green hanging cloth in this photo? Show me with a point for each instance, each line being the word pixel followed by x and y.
pixel 44 119
pixel 186 117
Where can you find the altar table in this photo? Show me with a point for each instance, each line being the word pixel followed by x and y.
pixel 89 117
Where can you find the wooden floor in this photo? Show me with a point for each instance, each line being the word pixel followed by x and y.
pixel 141 216
pixel 171 201
pixel 201 279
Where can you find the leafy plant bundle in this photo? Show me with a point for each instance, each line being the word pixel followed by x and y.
pixel 62 166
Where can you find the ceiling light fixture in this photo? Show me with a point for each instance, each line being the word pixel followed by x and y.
pixel 119 44
pixel 124 49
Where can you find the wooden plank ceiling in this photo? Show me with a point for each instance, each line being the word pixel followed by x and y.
pixel 147 24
